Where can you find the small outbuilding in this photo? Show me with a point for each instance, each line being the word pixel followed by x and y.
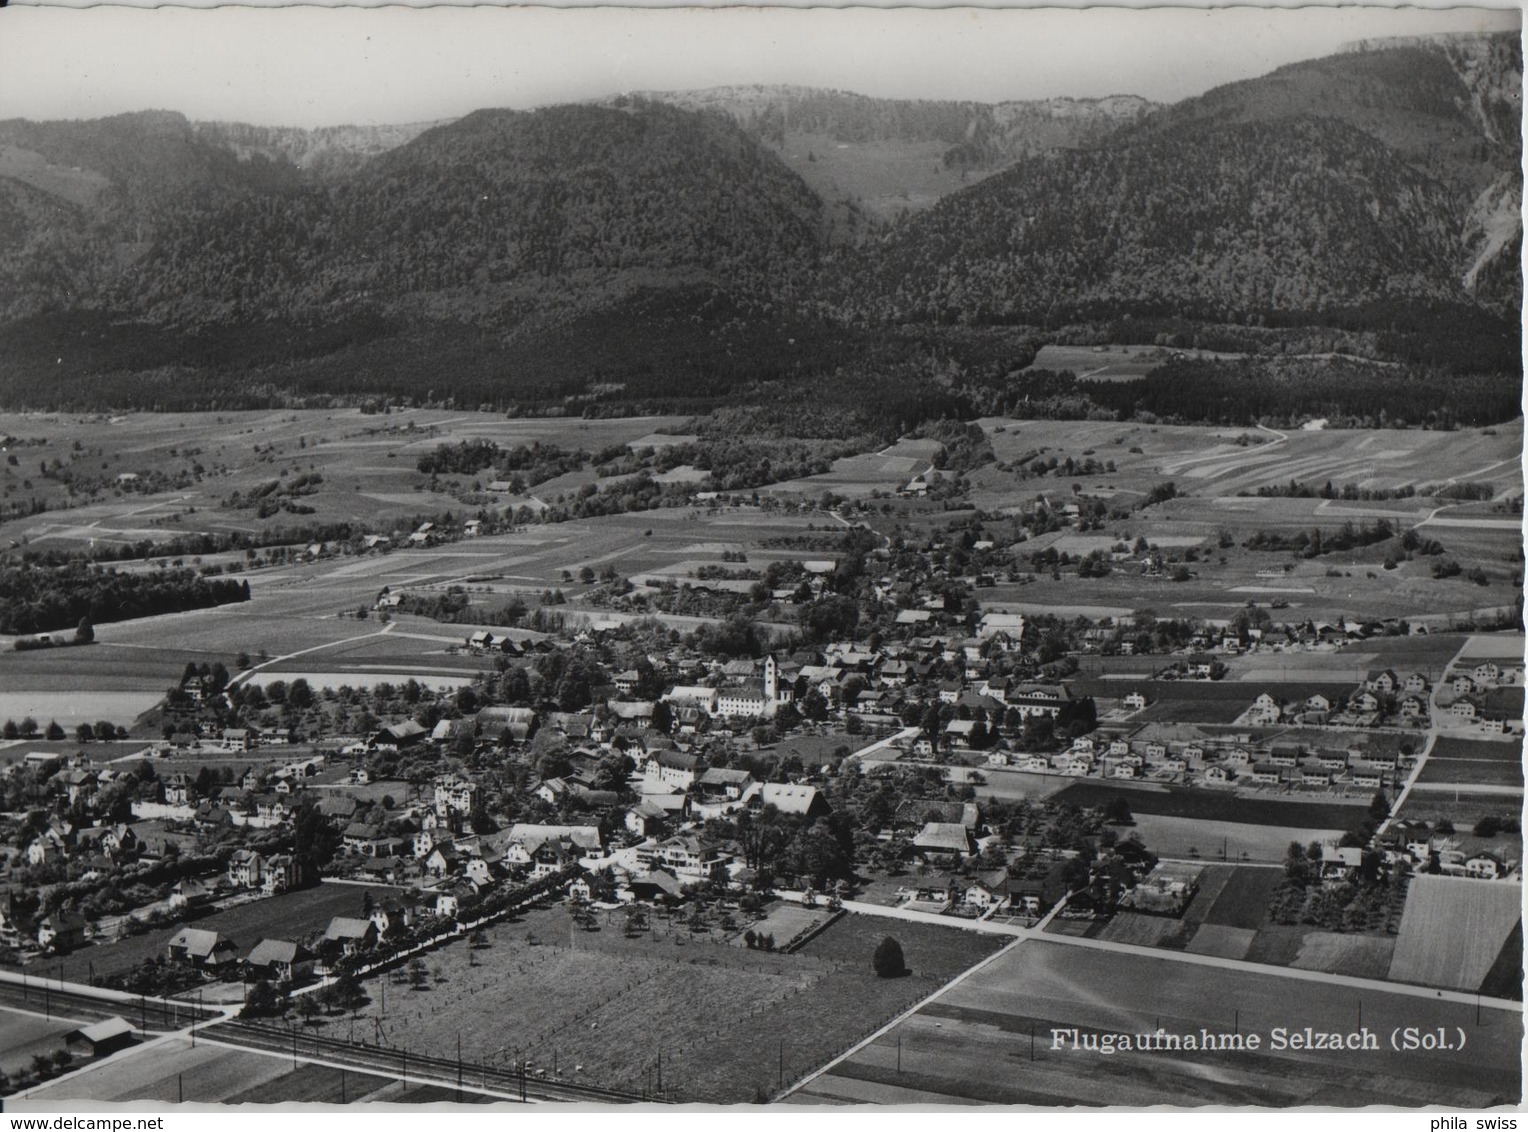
pixel 101 1038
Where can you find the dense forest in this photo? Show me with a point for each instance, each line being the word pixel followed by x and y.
pixel 1222 223
pixel 42 601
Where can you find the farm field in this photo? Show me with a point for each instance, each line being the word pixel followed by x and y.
pixel 1217 806
pixel 291 915
pixel 1453 929
pixel 609 1005
pixel 1495 646
pixel 1228 918
pixel 307 608
pixel 1181 837
pixel 1461 807
pixel 1341 953
pixel 1318 589
pixel 1482 772
pixel 1477 750
pixel 70 709
pixel 368 464
pixel 1012 784
pixel 1242 898
pixel 948 1049
pixel 856 476
pixel 100 667
pixel 1208 461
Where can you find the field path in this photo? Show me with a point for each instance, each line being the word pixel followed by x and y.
pixel 1433 715
pixel 243 677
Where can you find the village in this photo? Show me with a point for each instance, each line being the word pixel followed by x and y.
pixel 659 783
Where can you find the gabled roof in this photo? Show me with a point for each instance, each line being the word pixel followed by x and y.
pixel 102 1031
pixel 532 836
pixel 269 951
pixel 725 776
pixel 345 927
pixel 786 797
pixel 945 837
pixel 197 941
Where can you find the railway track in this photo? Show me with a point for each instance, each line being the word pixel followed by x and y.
pixel 147 1014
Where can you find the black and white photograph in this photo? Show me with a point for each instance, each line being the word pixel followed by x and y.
pixel 761 557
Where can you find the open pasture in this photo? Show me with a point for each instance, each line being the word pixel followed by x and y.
pixel 296 608
pixel 947 1052
pixel 1453 929
pixel 1106 363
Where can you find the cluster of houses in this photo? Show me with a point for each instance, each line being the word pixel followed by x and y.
pixel 1236 760
pixel 194 738
pixel 1488 696
pixel 1425 850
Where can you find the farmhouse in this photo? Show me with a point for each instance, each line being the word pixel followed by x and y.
pixel 944 842
pixel 397 736
pixel 350 934
pixel 788 798
pixel 201 949
pixel 721 784
pixel 278 960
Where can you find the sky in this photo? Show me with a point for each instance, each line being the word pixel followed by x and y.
pixel 315 66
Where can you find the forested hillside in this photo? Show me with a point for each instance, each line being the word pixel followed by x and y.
pixel 703 249
pixel 1213 221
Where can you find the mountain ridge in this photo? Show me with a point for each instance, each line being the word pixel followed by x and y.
pixel 1371 196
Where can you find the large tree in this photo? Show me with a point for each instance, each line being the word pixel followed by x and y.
pixel 888 960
